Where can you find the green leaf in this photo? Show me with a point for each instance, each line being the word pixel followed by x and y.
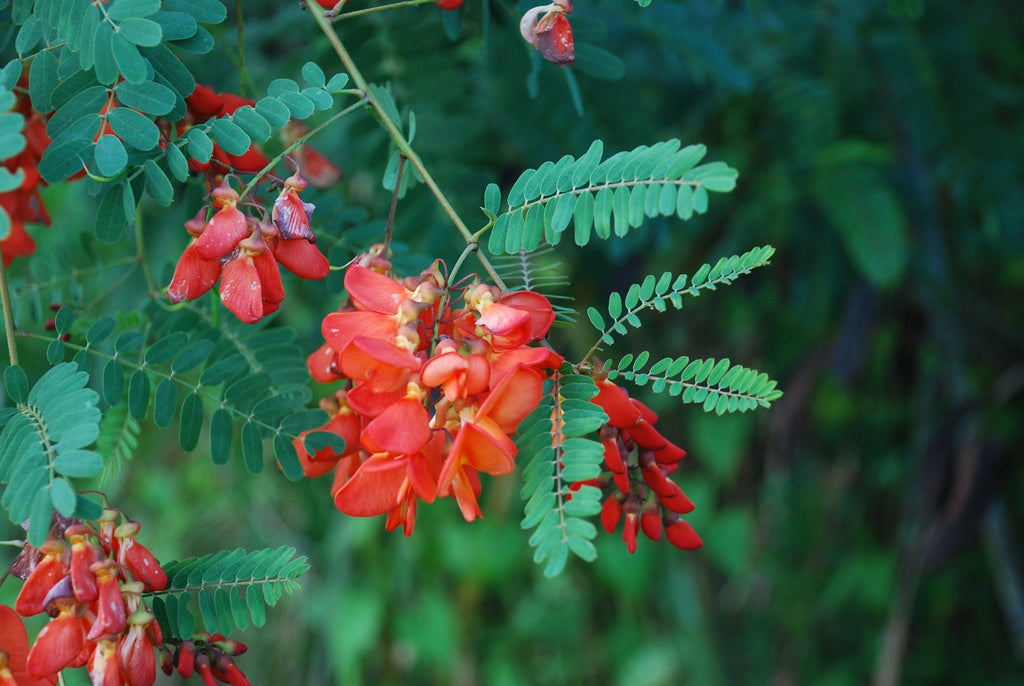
pixel 42 80
pixel 190 422
pixel 230 136
pixel 221 431
pixel 200 147
pixel 110 156
pixel 252 123
pixel 314 75
pixel 273 111
pixel 143 32
pixel 148 97
pixel 127 57
pixel 192 356
pixel 125 9
pixel 113 382
pixel 78 463
pixel 16 383
pixel 157 183
pixel 63 496
pixel 165 403
pixel 177 163
pixel 110 219
pixel 138 394
pixel 252 448
pixel 204 11
pixel 176 25
pixel 41 509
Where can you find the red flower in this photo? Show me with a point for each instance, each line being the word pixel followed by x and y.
pixel 138 661
pixel 14 651
pixel 41 579
pixel 137 560
pixel 225 229
pixel 59 643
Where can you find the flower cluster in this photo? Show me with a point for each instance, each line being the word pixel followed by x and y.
pixel 90 579
pixel 551 34
pixel 639 461
pixel 436 379
pixel 209 655
pixel 243 252
pixel 23 204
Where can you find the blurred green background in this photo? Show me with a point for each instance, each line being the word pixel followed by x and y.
pixel 864 530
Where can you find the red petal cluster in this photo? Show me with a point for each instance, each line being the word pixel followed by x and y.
pixel 435 381
pixel 211 656
pixel 244 253
pixel 639 461
pixel 23 204
pixel 89 579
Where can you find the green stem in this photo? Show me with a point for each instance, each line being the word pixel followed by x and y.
pixel 5 299
pixel 302 139
pixel 394 203
pixel 381 8
pixel 404 148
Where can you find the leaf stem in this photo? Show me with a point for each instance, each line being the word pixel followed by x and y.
pixel 389 227
pixel 5 300
pixel 404 148
pixel 381 8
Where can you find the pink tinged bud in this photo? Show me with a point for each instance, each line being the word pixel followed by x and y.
pixel 51 569
pixel 166 660
pixel 553 38
pixel 137 559
pixel 58 644
pixel 681 535
pixel 197 224
pixel 292 216
pixel 193 276
pixel 83 555
pixel 138 660
pixel 110 617
pixel 222 234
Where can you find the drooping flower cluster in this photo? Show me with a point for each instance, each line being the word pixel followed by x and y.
pixel 436 380
pixel 243 252
pixel 23 204
pixel 551 33
pixel 90 579
pixel 639 462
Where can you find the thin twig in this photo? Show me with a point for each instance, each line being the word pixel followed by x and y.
pixel 5 298
pixel 404 148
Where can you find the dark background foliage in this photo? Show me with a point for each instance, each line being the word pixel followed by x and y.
pixel 864 529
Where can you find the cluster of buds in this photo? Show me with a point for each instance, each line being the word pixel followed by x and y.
pixel 639 461
pixel 551 33
pixel 211 656
pixel 23 204
pixel 436 379
pixel 243 251
pixel 90 579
